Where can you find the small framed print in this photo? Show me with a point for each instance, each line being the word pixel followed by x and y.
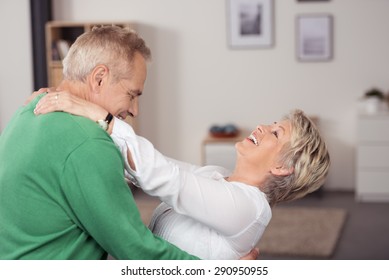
pixel 250 23
pixel 314 37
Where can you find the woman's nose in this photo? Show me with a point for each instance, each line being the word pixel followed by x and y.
pixel 263 128
pixel 260 128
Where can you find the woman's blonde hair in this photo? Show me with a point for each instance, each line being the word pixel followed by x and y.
pixel 112 46
pixel 307 155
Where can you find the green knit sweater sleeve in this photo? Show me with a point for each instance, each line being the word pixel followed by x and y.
pixel 103 206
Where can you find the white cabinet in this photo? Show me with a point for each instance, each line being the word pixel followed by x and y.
pixel 373 158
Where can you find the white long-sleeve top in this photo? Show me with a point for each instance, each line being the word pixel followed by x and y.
pixel 201 213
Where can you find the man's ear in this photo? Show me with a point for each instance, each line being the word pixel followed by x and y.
pixel 98 77
pixel 281 171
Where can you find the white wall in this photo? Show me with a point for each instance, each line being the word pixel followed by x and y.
pixel 195 80
pixel 16 80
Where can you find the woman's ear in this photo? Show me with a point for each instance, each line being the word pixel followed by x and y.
pixel 98 77
pixel 281 171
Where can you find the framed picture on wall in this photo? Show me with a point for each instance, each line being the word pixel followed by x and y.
pixel 250 23
pixel 314 37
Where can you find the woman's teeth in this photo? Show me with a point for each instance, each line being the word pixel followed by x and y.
pixel 253 139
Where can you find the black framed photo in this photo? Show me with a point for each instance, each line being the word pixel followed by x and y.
pixel 250 23
pixel 314 37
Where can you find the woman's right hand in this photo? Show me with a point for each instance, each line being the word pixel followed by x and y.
pixel 66 102
pixel 35 93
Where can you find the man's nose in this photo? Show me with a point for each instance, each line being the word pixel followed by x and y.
pixel 134 108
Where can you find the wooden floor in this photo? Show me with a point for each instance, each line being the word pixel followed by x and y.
pixel 365 235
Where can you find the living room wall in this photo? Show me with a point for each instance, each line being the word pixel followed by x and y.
pixel 195 80
pixel 16 80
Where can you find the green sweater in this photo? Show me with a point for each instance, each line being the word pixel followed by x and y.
pixel 63 193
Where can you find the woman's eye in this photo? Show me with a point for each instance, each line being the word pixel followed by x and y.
pixel 275 134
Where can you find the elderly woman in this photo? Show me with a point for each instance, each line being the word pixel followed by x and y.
pixel 209 211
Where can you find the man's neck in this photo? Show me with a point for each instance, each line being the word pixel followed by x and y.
pixel 76 88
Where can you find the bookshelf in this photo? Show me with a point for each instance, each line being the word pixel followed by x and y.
pixel 59 37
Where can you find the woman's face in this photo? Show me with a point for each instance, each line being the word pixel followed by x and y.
pixel 263 146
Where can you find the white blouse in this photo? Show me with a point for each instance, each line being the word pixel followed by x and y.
pixel 201 213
